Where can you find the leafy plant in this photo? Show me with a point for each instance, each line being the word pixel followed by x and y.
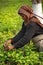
pixel 10 24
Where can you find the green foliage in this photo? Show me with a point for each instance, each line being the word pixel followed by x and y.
pixel 10 24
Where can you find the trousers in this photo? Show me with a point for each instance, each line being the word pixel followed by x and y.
pixel 38 41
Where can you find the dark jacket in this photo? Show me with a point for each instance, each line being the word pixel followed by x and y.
pixel 26 34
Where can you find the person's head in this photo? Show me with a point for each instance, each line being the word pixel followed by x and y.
pixel 25 11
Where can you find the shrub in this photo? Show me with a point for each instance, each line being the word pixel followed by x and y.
pixel 10 24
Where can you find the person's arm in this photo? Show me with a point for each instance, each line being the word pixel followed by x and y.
pixel 19 35
pixel 31 29
pixel 16 38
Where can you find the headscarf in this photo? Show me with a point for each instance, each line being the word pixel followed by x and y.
pixel 23 10
pixel 27 8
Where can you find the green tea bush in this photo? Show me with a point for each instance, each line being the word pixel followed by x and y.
pixel 10 24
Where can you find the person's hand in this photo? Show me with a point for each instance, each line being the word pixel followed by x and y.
pixel 7 42
pixel 7 45
pixel 10 47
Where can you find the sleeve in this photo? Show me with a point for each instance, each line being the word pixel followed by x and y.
pixel 18 36
pixel 27 37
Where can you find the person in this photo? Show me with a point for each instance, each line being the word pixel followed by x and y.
pixel 31 28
